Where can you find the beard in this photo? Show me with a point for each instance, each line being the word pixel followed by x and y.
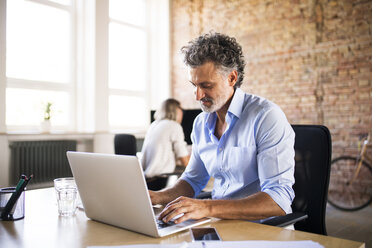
pixel 217 103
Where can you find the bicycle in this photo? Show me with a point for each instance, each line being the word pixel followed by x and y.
pixel 350 185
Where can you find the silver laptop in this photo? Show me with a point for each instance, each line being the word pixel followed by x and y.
pixel 113 191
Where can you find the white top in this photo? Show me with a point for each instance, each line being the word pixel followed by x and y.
pixel 164 142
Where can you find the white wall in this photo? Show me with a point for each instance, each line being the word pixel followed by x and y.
pixel 4 161
pixel 2 65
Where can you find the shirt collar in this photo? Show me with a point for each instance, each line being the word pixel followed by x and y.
pixel 235 108
pixel 211 120
pixel 236 105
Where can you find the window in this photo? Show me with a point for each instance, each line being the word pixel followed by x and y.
pixel 102 64
pixel 128 71
pixel 39 52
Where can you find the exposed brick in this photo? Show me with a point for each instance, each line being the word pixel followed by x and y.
pixel 364 82
pixel 315 62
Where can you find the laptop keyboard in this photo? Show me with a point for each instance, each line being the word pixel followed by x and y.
pixel 161 224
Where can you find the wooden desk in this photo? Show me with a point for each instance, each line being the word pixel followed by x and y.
pixel 42 227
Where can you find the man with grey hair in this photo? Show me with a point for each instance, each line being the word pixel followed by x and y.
pixel 244 141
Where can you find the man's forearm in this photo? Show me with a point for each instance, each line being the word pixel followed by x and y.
pixel 254 207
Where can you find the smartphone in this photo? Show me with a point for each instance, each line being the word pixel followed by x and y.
pixel 204 234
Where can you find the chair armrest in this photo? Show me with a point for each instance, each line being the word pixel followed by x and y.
pixel 280 221
pixel 204 195
pixel 171 174
pixel 177 172
pixel 286 220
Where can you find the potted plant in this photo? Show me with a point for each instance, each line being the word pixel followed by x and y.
pixel 45 125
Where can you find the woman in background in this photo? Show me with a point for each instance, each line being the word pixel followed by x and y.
pixel 164 144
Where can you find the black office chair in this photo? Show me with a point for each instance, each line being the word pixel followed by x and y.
pixel 162 181
pixel 125 144
pixel 313 152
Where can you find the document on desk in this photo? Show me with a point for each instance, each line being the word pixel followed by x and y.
pixel 225 244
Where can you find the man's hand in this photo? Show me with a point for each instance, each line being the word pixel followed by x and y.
pixel 156 197
pixel 254 207
pixel 165 196
pixel 190 208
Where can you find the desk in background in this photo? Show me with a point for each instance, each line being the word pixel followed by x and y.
pixel 42 227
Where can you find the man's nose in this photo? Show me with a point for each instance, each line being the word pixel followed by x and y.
pixel 199 93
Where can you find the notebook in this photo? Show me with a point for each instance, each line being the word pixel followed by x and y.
pixel 113 191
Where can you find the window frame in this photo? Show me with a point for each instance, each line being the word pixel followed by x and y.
pixel 68 87
pixel 143 94
pixel 89 89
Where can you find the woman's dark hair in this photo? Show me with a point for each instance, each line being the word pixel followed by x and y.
pixel 218 48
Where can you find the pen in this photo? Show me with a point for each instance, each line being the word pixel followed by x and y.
pixel 20 182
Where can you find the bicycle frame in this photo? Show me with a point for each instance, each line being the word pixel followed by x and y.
pixel 363 156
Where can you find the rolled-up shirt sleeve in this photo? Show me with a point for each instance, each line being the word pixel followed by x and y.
pixel 275 157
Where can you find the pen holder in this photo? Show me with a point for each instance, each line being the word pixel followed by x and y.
pixel 18 210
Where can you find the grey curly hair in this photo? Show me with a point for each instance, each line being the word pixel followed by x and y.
pixel 222 50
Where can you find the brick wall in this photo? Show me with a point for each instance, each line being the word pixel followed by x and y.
pixel 312 58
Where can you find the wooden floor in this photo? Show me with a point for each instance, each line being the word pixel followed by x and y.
pixel 350 225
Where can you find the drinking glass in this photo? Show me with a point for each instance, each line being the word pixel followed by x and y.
pixel 66 192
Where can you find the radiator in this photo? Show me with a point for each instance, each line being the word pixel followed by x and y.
pixel 45 159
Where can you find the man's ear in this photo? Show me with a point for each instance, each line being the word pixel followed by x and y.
pixel 232 78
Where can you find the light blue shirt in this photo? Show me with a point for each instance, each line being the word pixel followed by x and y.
pixel 255 153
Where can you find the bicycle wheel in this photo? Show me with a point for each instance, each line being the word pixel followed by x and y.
pixel 342 194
